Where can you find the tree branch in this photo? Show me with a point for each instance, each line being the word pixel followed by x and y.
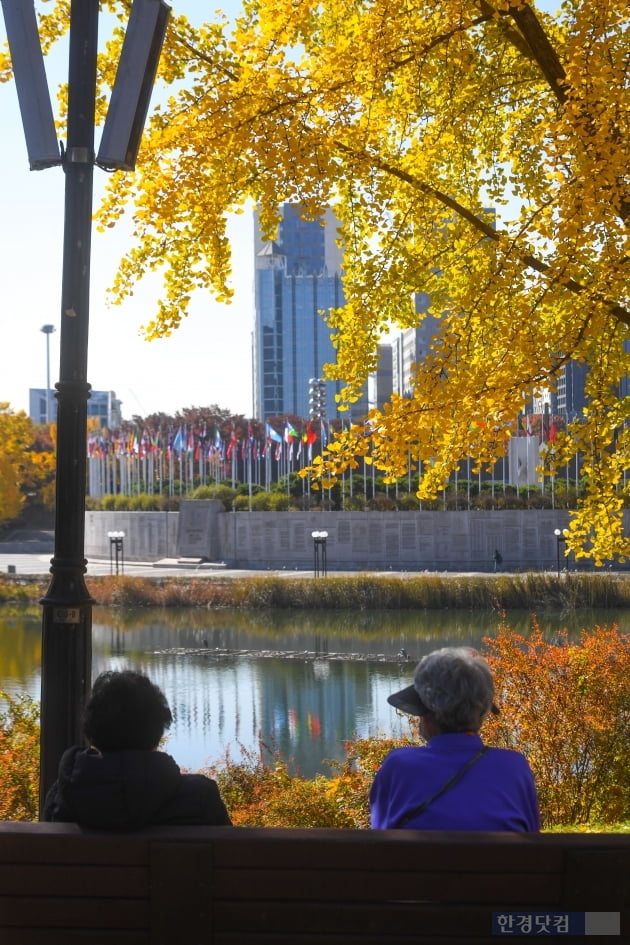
pixel 538 44
pixel 497 236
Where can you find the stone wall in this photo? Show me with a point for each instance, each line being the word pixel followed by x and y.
pixel 149 536
pixel 409 541
pixel 357 541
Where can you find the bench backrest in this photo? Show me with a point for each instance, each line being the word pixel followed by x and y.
pixel 247 886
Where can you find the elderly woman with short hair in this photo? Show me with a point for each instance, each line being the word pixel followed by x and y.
pixel 122 781
pixel 454 782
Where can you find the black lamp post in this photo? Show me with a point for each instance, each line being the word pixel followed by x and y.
pixel 319 548
pixel 116 551
pixel 561 537
pixel 67 605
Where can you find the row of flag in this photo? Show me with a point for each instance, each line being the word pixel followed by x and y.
pixel 199 444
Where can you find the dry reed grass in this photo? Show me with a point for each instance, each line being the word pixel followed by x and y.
pixel 534 591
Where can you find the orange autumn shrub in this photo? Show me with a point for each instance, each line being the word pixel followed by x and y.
pixel 260 791
pixel 566 705
pixel 364 757
pixel 263 793
pixel 19 758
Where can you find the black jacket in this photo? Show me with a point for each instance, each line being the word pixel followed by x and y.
pixel 127 790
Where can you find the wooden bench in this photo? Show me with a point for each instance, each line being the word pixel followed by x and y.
pixel 246 886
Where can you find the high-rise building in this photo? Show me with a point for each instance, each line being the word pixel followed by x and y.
pixel 379 383
pixel 297 278
pixel 570 399
pixel 101 403
pixel 411 347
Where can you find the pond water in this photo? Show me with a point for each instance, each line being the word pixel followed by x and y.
pixel 300 683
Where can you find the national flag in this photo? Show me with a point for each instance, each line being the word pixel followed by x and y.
pixel 272 434
pixel 290 433
pixel 178 442
pixel 231 445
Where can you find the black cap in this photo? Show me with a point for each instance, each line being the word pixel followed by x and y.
pixel 408 701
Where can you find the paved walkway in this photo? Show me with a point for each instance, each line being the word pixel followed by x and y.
pixel 39 564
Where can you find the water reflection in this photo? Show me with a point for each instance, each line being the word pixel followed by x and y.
pixel 302 683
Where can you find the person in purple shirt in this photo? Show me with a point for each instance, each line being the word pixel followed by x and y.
pixel 454 781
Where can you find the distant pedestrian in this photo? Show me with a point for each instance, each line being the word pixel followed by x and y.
pixel 497 557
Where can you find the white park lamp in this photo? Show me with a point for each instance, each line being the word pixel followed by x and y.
pixel 319 547
pixel 116 548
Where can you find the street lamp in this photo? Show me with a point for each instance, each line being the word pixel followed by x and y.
pixel 47 330
pixel 317 402
pixel 319 547
pixel 116 540
pixel 317 408
pixel 561 537
pixel 67 605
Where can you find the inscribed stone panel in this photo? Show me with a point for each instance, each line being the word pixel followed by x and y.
pixel 392 540
pixel 359 538
pixel 376 536
pixel 344 533
pixel 300 534
pixel 283 538
pixel 408 536
pixel 197 526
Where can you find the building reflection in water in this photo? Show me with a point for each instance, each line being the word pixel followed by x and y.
pixel 303 710
pixel 298 688
pixel 298 684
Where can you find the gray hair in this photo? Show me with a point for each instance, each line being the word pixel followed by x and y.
pixel 455 684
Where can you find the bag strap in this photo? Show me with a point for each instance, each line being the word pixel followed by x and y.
pixel 415 811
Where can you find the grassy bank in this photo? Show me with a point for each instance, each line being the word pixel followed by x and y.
pixel 529 591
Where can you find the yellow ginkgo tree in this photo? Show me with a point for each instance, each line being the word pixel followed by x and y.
pixel 473 150
pixel 27 464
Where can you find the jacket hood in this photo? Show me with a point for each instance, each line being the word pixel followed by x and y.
pixel 116 789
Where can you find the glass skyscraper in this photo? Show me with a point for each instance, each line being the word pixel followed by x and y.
pixel 298 276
